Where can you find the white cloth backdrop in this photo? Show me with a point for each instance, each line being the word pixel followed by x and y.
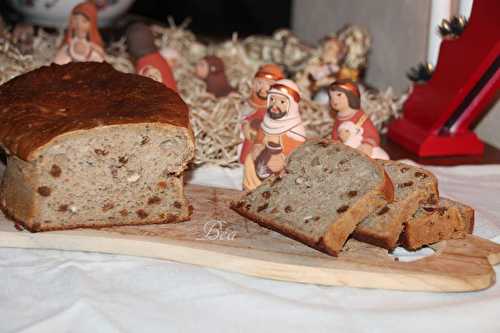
pixel 58 291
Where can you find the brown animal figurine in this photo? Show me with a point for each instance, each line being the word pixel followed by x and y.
pixel 23 37
pixel 211 70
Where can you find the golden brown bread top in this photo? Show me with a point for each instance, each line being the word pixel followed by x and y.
pixel 40 105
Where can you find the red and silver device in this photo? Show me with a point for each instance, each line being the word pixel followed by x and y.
pixel 438 114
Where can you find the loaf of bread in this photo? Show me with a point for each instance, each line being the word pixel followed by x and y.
pixel 433 223
pixel 412 187
pixel 89 146
pixel 326 189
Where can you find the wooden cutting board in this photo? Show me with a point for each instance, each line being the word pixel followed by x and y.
pixel 217 237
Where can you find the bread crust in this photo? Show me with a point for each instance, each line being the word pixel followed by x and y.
pixel 43 104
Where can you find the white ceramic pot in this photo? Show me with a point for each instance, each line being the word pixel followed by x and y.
pixel 54 13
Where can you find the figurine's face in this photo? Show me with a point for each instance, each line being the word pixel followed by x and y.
pixel 277 106
pixel 80 25
pixel 202 69
pixel 261 86
pixel 331 50
pixel 339 101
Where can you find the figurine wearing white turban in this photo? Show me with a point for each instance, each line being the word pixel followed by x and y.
pixel 281 132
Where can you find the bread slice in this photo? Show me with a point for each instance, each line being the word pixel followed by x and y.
pixel 92 147
pixel 412 187
pixel 326 189
pixel 433 223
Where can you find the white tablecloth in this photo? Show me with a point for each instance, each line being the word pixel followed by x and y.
pixel 57 291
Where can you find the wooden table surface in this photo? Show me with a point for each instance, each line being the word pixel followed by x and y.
pixel 491 155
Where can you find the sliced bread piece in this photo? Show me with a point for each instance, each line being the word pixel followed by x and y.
pixel 433 223
pixel 412 187
pixel 326 189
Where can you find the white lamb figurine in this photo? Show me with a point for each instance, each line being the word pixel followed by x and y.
pixel 352 135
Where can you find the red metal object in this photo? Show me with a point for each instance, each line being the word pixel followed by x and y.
pixel 437 114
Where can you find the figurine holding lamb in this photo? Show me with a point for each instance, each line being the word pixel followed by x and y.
pixel 352 126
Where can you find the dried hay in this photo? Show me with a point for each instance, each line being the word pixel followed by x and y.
pixel 216 122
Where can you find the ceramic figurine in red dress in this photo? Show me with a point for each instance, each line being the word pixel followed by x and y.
pixel 82 41
pixel 352 126
pixel 280 133
pixel 148 60
pixel 256 106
